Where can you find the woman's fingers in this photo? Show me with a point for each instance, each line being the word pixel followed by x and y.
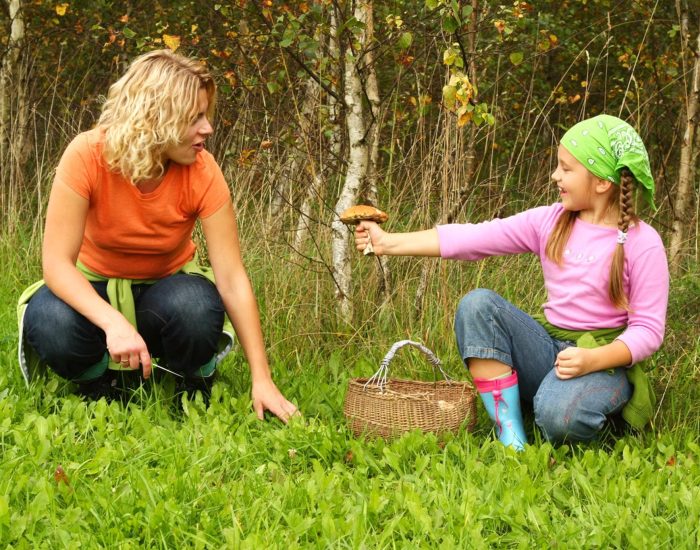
pixel 130 352
pixel 145 359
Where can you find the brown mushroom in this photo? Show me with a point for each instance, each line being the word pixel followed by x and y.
pixel 363 212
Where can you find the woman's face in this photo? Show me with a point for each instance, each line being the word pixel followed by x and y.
pixel 574 181
pixel 193 141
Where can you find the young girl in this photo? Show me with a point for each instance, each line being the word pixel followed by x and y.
pixel 607 284
pixel 121 280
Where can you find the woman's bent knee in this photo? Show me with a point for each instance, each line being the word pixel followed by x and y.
pixel 63 338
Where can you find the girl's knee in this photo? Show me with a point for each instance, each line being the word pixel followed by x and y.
pixel 565 421
pixel 475 304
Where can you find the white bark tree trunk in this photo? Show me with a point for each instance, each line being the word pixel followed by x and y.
pixel 358 163
pixel 13 95
pixel 309 106
pixel 328 162
pixel 686 170
pixel 334 107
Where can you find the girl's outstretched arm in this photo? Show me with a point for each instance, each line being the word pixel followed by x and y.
pixel 416 243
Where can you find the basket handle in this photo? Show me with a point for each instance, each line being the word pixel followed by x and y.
pixel 380 377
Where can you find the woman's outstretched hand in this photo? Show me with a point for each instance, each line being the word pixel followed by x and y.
pixel 366 230
pixel 266 396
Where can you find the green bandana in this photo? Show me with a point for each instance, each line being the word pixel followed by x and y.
pixel 605 144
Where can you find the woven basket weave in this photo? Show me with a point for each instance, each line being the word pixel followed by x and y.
pixel 388 407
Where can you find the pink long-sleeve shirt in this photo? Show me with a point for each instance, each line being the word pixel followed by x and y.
pixel 577 291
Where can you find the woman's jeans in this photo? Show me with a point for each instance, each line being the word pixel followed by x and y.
pixel 180 318
pixel 489 327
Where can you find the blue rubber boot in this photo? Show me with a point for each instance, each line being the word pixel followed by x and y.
pixel 501 398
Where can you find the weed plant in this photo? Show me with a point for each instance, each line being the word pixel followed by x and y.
pixel 167 472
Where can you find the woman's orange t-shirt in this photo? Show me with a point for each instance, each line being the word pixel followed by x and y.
pixel 134 235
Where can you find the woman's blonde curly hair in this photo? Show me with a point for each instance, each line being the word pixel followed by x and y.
pixel 149 109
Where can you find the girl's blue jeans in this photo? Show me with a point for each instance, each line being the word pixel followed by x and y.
pixel 489 327
pixel 180 318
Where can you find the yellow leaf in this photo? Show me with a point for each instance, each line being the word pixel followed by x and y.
pixel 61 8
pixel 464 119
pixel 171 41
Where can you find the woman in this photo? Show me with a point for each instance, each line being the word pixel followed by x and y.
pixel 118 251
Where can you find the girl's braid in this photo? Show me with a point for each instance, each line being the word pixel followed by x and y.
pixel 616 289
pixel 626 200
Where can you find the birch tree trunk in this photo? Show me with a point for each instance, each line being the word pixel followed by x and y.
pixel 328 163
pixel 13 99
pixel 334 107
pixel 311 175
pixel 358 163
pixel 687 167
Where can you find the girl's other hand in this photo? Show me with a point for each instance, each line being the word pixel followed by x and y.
pixel 572 362
pixel 125 346
pixel 266 396
pixel 366 230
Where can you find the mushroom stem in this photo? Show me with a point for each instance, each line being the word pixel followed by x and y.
pixel 369 249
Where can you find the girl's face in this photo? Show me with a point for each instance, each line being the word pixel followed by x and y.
pixel 193 141
pixel 575 182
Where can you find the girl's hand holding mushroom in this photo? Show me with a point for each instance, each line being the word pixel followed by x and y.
pixel 416 243
pixel 367 230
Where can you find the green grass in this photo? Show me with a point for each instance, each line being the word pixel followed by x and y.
pixel 150 475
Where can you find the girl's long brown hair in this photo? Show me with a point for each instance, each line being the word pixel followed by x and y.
pixel 562 231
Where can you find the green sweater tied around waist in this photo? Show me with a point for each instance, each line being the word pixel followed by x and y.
pixel 639 410
pixel 120 298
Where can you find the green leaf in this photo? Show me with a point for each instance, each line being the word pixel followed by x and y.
pixel 405 40
pixel 431 4
pixel 455 11
pixel 449 56
pixel 449 24
pixel 4 511
pixel 449 94
pixel 516 58
pixel 128 32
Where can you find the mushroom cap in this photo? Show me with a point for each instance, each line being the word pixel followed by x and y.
pixel 361 212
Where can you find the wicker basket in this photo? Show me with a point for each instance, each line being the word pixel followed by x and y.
pixel 381 406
